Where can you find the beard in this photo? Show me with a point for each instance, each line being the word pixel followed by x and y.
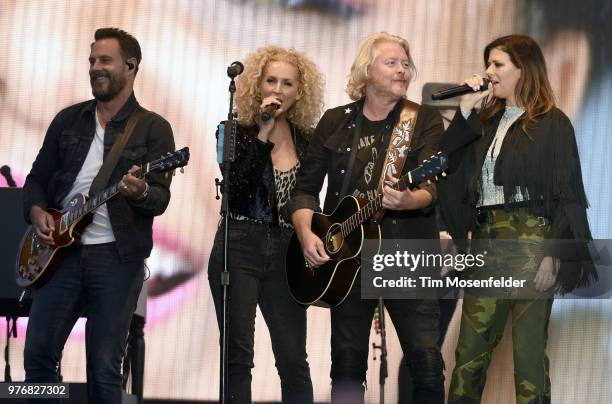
pixel 106 91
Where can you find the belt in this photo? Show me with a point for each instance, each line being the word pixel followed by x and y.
pixel 490 214
pixel 234 217
pixel 510 206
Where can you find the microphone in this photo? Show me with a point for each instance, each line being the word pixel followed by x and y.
pixel 235 69
pixel 458 90
pixel 269 111
pixel 6 173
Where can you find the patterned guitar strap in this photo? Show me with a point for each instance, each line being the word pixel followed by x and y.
pixel 399 147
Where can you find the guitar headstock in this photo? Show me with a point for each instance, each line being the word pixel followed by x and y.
pixel 170 161
pixel 429 169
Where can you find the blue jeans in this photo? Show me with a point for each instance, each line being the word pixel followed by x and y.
pixel 416 324
pixel 91 281
pixel 257 277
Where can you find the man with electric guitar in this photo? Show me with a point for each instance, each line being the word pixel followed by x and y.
pixel 365 148
pixel 89 146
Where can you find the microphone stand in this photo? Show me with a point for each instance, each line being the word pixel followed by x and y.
pixel 229 145
pixel 9 332
pixel 380 329
pixel 5 171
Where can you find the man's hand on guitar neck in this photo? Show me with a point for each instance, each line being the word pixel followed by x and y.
pixel 312 246
pixel 404 200
pixel 131 186
pixel 43 223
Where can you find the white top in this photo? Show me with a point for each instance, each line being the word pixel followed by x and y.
pixel 99 231
pixel 494 194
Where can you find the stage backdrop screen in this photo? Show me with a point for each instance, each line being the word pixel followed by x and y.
pixel 187 45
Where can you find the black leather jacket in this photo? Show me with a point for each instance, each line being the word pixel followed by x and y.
pixel 329 154
pixel 63 153
pixel 252 188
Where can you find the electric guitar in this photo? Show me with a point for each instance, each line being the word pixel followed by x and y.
pixel 343 233
pixel 36 261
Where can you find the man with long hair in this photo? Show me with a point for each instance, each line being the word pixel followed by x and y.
pixel 378 82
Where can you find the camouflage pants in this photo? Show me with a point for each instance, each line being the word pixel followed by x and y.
pixel 482 325
pixel 484 318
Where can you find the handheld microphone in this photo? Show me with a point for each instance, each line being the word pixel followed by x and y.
pixel 458 90
pixel 269 111
pixel 235 69
pixel 6 173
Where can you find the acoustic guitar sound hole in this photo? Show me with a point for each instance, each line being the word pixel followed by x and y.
pixel 334 239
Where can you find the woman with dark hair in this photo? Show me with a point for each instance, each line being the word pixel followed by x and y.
pixel 288 87
pixel 515 170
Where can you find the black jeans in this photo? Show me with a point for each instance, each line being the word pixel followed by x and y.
pixel 447 309
pixel 90 281
pixel 416 323
pixel 257 276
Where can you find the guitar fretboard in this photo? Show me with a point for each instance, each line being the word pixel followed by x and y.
pixel 365 213
pixel 94 202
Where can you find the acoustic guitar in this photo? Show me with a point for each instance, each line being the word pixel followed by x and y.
pixel 343 233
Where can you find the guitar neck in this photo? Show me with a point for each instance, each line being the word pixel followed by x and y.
pixel 98 200
pixel 365 213
pixel 362 215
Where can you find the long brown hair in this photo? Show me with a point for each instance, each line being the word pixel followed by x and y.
pixel 533 91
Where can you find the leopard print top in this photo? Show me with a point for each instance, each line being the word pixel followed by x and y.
pixel 284 182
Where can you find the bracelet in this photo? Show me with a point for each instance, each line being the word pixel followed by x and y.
pixel 144 194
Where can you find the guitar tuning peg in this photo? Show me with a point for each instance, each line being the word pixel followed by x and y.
pixel 444 173
pixel 436 177
pixel 429 181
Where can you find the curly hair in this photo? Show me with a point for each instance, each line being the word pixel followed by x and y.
pixel 358 78
pixel 306 110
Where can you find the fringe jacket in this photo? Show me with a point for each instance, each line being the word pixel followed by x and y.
pixel 542 164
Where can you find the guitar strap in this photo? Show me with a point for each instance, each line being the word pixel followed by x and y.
pixel 112 158
pixel 399 146
pixel 353 156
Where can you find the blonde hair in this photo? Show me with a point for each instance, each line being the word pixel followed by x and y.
pixel 358 78
pixel 306 110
